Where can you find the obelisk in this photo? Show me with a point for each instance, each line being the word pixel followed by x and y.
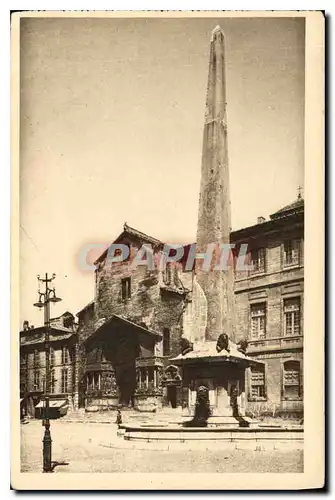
pixel 214 218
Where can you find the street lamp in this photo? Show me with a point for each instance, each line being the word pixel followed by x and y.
pixel 44 299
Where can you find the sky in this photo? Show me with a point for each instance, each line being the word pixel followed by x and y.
pixel 111 124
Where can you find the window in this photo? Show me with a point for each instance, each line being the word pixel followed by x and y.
pixel 291 380
pixel 258 321
pixel 257 384
pixel 37 380
pixel 64 380
pixel 68 321
pixel 122 252
pixel 93 381
pixel 258 260
pixel 23 360
pixel 52 357
pixel 292 323
pixel 168 273
pixel 125 288
pixel 65 355
pixel 36 358
pixel 291 252
pixel 166 341
pixel 52 381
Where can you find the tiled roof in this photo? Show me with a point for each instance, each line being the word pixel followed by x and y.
pixel 56 327
pixel 103 323
pixel 134 232
pixel 85 307
pixel 53 338
pixel 296 206
pixel 127 230
pixel 66 313
pixel 62 328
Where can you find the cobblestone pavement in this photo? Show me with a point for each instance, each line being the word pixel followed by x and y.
pixel 88 447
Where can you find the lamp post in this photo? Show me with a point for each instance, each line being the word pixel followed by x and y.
pixel 44 299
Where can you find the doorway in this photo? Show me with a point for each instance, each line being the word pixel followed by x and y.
pixel 172 395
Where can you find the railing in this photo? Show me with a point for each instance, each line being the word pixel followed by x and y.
pixel 150 361
pixel 258 408
pixel 149 390
pixel 149 375
pixel 99 366
pixel 275 343
pixel 100 393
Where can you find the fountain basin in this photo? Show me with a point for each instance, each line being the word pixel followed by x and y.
pixel 257 438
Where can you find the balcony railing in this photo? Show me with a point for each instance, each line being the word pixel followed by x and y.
pixel 275 343
pixel 150 361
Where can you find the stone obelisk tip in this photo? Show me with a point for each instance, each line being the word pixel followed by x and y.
pixel 215 31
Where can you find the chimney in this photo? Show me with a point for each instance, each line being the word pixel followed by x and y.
pixel 25 325
pixel 260 219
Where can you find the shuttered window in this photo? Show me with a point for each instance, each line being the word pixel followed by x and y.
pixel 291 380
pixel 257 384
pixel 258 260
pixel 292 252
pixel 292 319
pixel 258 321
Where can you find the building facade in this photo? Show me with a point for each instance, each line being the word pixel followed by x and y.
pixel 155 308
pixel 63 340
pixel 269 309
pixel 119 352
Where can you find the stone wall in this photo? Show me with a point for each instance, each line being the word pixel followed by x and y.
pixel 152 304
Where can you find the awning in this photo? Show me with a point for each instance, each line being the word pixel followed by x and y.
pixel 52 404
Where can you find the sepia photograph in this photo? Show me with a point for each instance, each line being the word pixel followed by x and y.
pixel 162 169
